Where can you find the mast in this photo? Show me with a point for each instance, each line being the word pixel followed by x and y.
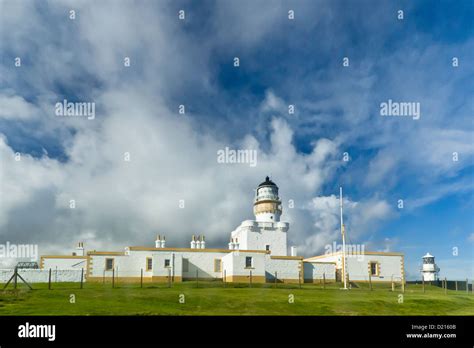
pixel 343 232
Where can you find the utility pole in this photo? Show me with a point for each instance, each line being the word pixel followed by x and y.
pixel 343 232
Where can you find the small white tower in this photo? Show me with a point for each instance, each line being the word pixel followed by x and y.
pixel 429 269
pixel 267 205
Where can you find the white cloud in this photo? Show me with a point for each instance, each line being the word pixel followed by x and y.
pixel 15 108
pixel 360 220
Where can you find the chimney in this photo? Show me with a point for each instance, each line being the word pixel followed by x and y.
pixel 163 242
pixel 293 251
pixel 203 243
pixel 158 241
pixel 236 244
pixel 193 242
pixel 198 242
pixel 80 249
pixel 231 244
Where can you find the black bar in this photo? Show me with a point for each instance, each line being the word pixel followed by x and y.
pixel 324 330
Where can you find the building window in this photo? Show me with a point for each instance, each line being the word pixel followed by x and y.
pixel 248 262
pixel 217 265
pixel 374 268
pixel 109 264
pixel 149 263
pixel 185 265
pixel 267 247
pixel 167 262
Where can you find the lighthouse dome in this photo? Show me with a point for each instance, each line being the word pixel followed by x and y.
pixel 267 182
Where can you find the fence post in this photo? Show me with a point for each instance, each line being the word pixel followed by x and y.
pixel 103 277
pixel 197 279
pixel 299 278
pixel 49 280
pixel 82 277
pixel 113 277
pixel 15 280
pixel 456 282
pixel 141 277
pixel 276 278
pixel 324 280
pixel 393 285
pixel 467 286
pixel 445 286
pixel 225 280
pixel 169 277
pixel 403 284
pixel 370 280
pixel 423 280
pixel 250 278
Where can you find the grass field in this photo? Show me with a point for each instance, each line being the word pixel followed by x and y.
pixel 211 298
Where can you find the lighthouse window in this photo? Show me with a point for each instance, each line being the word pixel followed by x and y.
pixel 428 260
pixel 167 262
pixel 248 262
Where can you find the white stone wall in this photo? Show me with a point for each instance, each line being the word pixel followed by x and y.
pixel 131 265
pixel 123 266
pixel 285 268
pixel 390 265
pixel 234 264
pixel 159 268
pixel 42 275
pixel 64 263
pixel 203 262
pixel 316 270
pixel 254 235
pixel 358 266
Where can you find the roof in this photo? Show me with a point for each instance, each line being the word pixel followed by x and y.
pixel 381 253
pixel 267 182
pixel 428 255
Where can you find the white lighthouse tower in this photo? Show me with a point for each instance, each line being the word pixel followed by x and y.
pixel 267 205
pixel 266 232
pixel 429 269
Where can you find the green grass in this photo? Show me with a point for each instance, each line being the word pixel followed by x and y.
pixel 211 298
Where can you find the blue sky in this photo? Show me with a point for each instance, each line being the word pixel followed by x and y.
pixel 282 62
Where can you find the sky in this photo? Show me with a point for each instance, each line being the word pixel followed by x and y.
pixel 139 167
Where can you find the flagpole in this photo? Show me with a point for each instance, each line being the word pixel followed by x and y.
pixel 343 242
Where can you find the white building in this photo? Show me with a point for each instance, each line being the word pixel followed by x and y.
pixel 429 269
pixel 257 252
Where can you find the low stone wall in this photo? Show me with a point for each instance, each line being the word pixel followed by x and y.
pixel 41 275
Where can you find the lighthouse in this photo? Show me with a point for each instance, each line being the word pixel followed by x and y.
pixel 429 269
pixel 267 205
